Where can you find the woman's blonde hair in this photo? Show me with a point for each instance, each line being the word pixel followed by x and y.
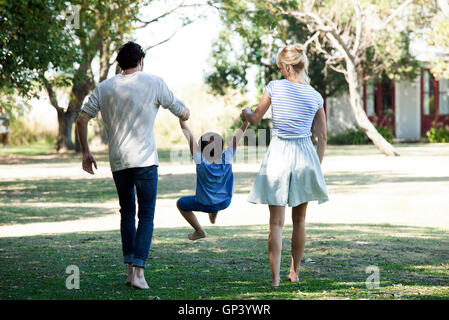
pixel 294 55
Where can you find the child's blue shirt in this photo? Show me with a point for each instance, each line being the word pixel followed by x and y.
pixel 214 182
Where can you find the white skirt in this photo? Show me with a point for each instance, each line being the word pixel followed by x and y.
pixel 290 174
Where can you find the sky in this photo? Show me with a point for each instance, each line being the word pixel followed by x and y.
pixel 184 58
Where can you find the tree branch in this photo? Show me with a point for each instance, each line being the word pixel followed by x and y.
pixel 395 13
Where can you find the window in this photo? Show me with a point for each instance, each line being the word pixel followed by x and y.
pixel 370 99
pixel 428 93
pixel 387 95
pixel 443 103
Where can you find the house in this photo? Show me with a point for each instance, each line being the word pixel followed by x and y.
pixel 409 108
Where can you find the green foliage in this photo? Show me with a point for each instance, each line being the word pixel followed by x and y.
pixel 438 134
pixel 251 39
pixel 33 38
pixel 27 132
pixel 357 136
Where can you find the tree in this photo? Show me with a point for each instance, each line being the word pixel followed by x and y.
pixel 438 36
pixel 104 25
pixel 361 39
pixel 261 35
pixel 27 30
pixel 50 52
pixel 365 36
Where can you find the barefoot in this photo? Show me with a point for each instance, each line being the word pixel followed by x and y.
pixel 212 217
pixel 138 279
pixel 197 235
pixel 293 277
pixel 275 282
pixel 130 274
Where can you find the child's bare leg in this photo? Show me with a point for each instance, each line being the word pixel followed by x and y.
pixel 213 217
pixel 298 239
pixel 193 221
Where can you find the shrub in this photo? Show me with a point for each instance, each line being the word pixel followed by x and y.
pixel 25 132
pixel 357 136
pixel 438 135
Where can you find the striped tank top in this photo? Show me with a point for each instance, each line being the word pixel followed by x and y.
pixel 293 108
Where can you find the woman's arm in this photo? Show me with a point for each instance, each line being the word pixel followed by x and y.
pixel 254 117
pixel 193 145
pixel 321 132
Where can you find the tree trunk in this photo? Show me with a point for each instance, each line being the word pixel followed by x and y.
pixel 79 91
pixel 360 116
pixel 65 121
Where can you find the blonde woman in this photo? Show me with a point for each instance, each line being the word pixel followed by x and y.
pixel 291 170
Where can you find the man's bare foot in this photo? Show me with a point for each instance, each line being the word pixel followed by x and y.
pixel 138 279
pixel 293 277
pixel 130 273
pixel 197 235
pixel 212 217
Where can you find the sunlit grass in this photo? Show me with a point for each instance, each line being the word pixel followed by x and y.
pixel 232 263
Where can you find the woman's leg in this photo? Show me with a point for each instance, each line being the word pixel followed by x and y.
pixel 277 216
pixel 193 221
pixel 298 239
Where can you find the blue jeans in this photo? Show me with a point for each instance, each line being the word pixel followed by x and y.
pixel 136 244
pixel 189 203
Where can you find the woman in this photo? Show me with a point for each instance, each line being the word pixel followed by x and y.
pixel 290 173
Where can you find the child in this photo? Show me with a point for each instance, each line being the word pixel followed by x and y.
pixel 214 177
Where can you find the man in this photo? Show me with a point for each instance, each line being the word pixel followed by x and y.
pixel 129 103
pixel 4 127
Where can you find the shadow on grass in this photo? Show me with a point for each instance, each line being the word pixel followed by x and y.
pixel 23 199
pixel 232 263
pixel 22 194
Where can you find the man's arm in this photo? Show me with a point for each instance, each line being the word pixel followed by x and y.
pixel 81 127
pixel 168 101
pixel 239 134
pixel 193 145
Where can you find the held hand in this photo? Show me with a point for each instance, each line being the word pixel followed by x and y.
pixel 88 159
pixel 185 115
pixel 244 114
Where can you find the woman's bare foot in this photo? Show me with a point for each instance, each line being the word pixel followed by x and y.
pixel 130 273
pixel 275 281
pixel 197 235
pixel 293 277
pixel 212 217
pixel 138 279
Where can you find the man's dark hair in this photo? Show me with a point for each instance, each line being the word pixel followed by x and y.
pixel 129 55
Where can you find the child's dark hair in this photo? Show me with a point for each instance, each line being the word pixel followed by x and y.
pixel 207 139
pixel 129 55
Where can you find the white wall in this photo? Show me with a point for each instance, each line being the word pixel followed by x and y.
pixel 339 114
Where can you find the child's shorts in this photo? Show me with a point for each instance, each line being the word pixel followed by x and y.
pixel 189 203
pixel 290 174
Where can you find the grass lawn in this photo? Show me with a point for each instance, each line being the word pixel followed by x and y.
pixel 232 263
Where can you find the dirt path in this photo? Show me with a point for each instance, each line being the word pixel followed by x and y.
pixel 409 190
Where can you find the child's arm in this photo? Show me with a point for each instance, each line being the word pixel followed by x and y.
pixel 239 134
pixel 193 145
